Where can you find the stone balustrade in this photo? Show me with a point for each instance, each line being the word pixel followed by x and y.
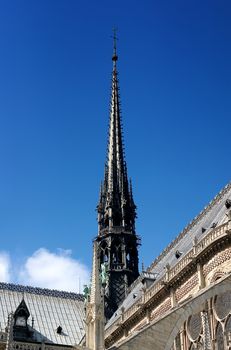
pixel 35 346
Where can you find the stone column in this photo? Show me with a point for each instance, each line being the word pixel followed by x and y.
pixel 182 338
pixel 173 297
pixel 9 337
pixel 195 242
pixel 110 218
pixel 201 277
pixel 206 330
pixel 148 316
pixel 167 270
pixel 124 256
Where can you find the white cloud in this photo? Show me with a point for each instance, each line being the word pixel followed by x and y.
pixel 4 267
pixel 54 270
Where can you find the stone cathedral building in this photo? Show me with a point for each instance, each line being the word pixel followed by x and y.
pixel 182 301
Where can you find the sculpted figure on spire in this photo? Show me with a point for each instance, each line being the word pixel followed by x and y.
pixel 116 210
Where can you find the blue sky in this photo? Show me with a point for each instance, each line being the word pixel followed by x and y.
pixel 55 68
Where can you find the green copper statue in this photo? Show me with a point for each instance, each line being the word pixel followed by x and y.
pixel 86 292
pixel 104 274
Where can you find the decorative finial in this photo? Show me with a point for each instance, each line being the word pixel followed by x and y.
pixel 130 184
pixel 114 57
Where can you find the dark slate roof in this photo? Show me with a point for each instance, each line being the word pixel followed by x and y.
pixel 49 309
pixel 214 212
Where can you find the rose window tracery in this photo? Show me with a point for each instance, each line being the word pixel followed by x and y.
pixel 194 326
pixel 222 305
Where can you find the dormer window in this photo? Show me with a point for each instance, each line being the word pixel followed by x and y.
pixel 228 203
pixel 21 330
pixel 21 315
pixel 20 321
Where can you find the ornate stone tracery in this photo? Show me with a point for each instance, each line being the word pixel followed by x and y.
pixel 199 345
pixel 222 305
pixel 219 337
pixel 194 327
pixel 228 331
pixel 208 329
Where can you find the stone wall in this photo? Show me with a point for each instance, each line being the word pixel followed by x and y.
pixel 198 270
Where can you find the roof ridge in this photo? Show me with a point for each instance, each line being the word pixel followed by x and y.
pixel 192 223
pixel 41 291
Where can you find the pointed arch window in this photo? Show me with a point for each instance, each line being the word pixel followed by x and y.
pixel 194 327
pixel 222 305
pixel 228 330
pixel 199 345
pixel 219 337
pixel 104 253
pixel 117 260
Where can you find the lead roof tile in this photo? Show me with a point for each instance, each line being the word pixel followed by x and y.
pixel 49 308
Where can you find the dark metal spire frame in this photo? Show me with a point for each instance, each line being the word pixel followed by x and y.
pixel 116 205
pixel 117 238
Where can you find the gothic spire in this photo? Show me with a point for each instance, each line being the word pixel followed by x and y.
pixel 115 142
pixel 117 237
pixel 115 202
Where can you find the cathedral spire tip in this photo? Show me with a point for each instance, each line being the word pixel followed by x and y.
pixel 114 57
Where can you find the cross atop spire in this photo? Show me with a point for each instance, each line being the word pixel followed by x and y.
pixel 114 57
